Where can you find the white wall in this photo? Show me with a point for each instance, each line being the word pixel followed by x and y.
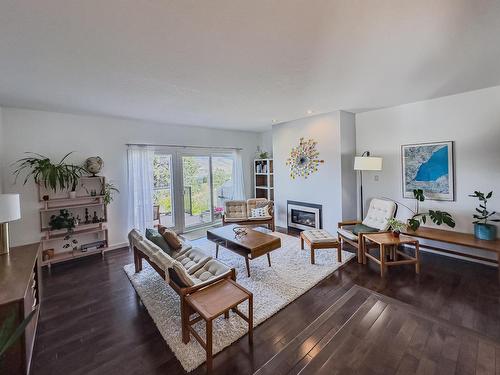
pixel 266 141
pixel 325 186
pixel 2 159
pixel 54 134
pixel 471 120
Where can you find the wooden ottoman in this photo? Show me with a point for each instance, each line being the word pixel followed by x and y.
pixel 319 239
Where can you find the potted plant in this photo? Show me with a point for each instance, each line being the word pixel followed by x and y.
pixel 74 172
pixel 437 217
pixel 58 176
pixel 10 333
pixel 483 230
pixel 396 226
pixel 109 192
pixel 65 220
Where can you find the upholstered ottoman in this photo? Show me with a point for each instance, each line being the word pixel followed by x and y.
pixel 319 239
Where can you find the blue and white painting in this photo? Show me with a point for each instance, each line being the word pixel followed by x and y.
pixel 428 166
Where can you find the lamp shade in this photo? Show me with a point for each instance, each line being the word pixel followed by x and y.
pixel 10 208
pixel 367 163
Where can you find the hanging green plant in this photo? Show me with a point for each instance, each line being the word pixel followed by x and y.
pixel 52 176
pixel 109 192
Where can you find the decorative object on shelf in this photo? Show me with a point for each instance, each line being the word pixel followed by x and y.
pixel 64 220
pixel 93 165
pixel 429 167
pixel 365 162
pixel 95 218
pixel 483 230
pixel 437 217
pixel 71 242
pixel 52 176
pixel 258 168
pixel 47 254
pixel 396 226
pixel 93 245
pixel 10 210
pixel 303 160
pixel 45 197
pixel 109 192
pixel 87 216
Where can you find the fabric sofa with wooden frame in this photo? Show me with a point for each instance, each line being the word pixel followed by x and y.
pixel 240 212
pixel 186 270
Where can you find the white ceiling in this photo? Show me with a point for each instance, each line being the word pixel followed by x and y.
pixel 240 64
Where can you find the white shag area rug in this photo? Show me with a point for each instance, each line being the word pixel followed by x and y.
pixel 290 276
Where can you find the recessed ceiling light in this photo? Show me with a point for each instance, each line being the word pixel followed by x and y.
pixel 274 121
pixel 309 111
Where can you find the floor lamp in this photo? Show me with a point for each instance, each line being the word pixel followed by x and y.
pixel 365 162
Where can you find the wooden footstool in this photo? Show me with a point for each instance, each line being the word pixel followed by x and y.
pixel 213 301
pixel 319 239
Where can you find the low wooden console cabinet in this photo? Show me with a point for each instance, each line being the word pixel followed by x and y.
pixel 20 295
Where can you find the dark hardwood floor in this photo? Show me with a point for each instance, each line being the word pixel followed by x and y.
pixel 92 321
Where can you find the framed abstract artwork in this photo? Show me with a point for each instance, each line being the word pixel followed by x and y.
pixel 304 159
pixel 430 167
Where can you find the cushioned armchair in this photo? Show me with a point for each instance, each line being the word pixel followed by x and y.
pixel 376 220
pixel 240 212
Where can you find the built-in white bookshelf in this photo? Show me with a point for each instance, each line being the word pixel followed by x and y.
pixel 263 178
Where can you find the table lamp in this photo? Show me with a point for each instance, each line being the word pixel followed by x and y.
pixel 365 162
pixel 10 210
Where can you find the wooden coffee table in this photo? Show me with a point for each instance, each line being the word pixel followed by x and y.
pixel 250 246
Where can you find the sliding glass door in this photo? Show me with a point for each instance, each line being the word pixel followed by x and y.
pixel 196 179
pixel 163 205
pixel 190 187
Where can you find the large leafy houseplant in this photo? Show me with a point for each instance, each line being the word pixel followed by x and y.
pixel 9 333
pixel 54 176
pixel 482 229
pixel 436 216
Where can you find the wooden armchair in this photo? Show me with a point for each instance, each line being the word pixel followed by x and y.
pixel 376 220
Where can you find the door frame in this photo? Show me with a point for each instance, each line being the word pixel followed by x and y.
pixel 177 183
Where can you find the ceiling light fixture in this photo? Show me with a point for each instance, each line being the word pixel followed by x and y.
pixel 309 111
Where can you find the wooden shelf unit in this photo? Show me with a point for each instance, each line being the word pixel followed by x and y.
pixel 54 238
pixel 263 171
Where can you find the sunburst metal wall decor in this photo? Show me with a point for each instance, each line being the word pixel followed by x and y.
pixel 303 159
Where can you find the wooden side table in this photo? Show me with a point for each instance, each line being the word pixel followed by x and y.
pixel 387 242
pixel 213 301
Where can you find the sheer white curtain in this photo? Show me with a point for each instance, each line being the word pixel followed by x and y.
pixel 140 185
pixel 238 180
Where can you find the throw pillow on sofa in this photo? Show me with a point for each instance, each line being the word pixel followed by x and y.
pixel 155 237
pixel 260 212
pixel 171 237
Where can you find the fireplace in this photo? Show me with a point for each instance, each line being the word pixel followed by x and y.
pixel 304 216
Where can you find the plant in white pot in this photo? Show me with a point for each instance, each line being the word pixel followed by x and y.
pixel 482 229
